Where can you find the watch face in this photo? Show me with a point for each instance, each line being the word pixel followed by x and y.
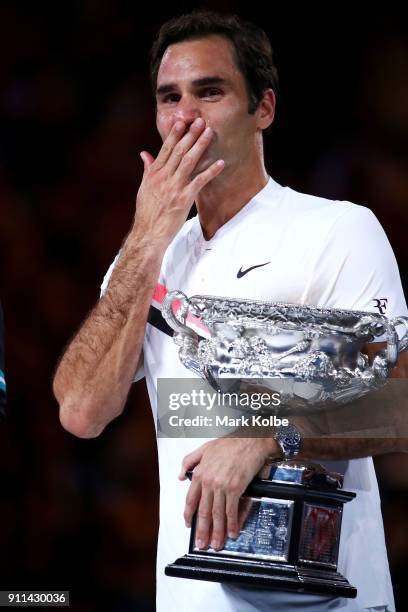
pixel 293 437
pixel 290 439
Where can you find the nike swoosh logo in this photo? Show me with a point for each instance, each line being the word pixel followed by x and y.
pixel 242 272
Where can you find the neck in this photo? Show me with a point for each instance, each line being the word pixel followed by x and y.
pixel 225 195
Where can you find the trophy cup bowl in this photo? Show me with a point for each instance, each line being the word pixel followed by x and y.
pixel 313 357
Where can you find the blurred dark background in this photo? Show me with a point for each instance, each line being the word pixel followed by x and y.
pixel 75 110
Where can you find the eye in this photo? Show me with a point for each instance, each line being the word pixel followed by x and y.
pixel 210 92
pixel 170 98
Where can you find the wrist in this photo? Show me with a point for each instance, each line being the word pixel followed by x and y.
pixel 272 450
pixel 146 245
pixel 152 234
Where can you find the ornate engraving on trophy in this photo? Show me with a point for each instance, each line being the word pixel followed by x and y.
pixel 312 356
pixel 266 532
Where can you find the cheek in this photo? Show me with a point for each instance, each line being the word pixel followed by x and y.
pixel 164 124
pixel 235 127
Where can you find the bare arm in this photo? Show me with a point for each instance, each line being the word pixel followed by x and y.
pixel 94 377
pixel 330 448
pixel 95 373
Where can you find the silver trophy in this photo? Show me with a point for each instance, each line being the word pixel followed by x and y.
pixel 313 357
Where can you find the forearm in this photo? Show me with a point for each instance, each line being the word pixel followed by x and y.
pixel 95 373
pixel 374 424
pixel 93 379
pixel 352 446
pixel 347 448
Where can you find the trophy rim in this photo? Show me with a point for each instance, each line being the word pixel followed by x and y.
pixel 291 305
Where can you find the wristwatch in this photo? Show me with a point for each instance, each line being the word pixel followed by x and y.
pixel 289 439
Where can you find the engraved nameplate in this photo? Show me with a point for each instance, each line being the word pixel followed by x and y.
pixel 265 533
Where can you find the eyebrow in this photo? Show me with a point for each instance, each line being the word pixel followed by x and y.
pixel 205 81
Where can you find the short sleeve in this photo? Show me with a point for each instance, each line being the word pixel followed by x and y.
pixel 108 274
pixel 357 267
pixel 140 371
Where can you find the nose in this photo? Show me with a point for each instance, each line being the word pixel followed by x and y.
pixel 187 110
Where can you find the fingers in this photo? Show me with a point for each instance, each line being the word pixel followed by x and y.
pixel 191 158
pixel 185 147
pixel 244 508
pixel 237 511
pixel 218 520
pixel 192 500
pixel 228 516
pixel 182 150
pixel 217 515
pixel 176 161
pixel 172 139
pixel 205 177
pixel 231 511
pixel 204 519
pixel 147 159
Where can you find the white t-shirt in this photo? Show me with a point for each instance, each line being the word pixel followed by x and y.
pixel 316 252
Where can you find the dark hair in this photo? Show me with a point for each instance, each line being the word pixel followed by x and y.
pixel 253 51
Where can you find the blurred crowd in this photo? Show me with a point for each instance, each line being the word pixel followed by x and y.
pixel 75 111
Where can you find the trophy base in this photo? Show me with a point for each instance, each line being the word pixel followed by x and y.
pixel 266 575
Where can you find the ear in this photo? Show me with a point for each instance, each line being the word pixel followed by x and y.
pixel 266 109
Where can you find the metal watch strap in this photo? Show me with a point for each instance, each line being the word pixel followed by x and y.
pixel 289 439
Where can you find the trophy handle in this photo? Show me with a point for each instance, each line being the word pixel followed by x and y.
pixel 177 323
pixel 186 338
pixel 403 341
pixel 395 344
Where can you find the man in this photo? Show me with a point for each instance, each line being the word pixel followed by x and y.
pixel 215 81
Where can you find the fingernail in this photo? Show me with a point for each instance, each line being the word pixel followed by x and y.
pixel 232 534
pixel 187 524
pixel 208 131
pixel 200 543
pixel 215 544
pixel 199 122
pixel 179 126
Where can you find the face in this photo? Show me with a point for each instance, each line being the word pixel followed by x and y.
pixel 200 78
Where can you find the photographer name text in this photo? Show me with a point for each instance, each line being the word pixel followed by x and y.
pixel 226 421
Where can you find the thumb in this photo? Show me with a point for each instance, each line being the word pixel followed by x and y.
pixel 190 461
pixel 147 159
